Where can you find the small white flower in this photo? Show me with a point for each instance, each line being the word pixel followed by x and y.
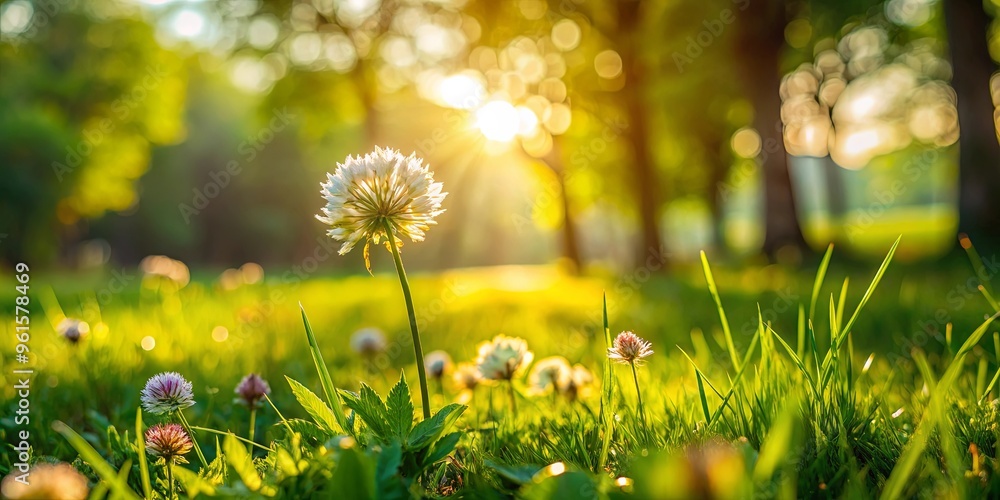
pixel 45 480
pixel 550 373
pixel 365 193
pixel 578 383
pixel 368 341
pixel 73 329
pixel 503 357
pixel 629 348
pixel 467 376
pixel 167 392
pixel 437 363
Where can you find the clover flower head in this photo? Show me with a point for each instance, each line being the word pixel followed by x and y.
pixel 437 363
pixel 629 348
pixel 73 329
pixel 167 392
pixel 168 441
pixel 549 373
pixel 383 187
pixel 578 383
pixel 368 341
pixel 251 390
pixel 503 357
pixel 466 376
pixel 48 481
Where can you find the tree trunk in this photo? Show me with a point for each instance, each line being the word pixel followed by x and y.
pixel 979 152
pixel 570 241
pixel 644 173
pixel 759 47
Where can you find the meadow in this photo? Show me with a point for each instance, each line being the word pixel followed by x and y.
pixel 771 399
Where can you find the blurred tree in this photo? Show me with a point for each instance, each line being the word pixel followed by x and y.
pixel 84 95
pixel 979 203
pixel 627 36
pixel 760 42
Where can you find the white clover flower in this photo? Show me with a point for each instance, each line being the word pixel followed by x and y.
pixel 73 329
pixel 365 193
pixel 629 348
pixel 578 383
pixel 503 357
pixel 167 392
pixel 437 363
pixel 48 481
pixel 466 376
pixel 549 373
pixel 368 341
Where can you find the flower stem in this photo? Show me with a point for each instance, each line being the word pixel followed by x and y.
pixel 197 447
pixel 417 350
pixel 170 478
pixel 253 422
pixel 513 399
pixel 638 395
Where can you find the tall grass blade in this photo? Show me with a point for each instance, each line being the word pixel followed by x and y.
pixel 714 290
pixel 329 390
pixel 977 263
pixel 607 393
pixel 140 444
pixel 818 282
pixel 104 470
pixel 870 291
pixel 936 412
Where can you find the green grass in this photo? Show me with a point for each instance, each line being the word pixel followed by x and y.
pixel 771 382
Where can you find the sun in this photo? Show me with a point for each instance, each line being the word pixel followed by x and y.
pixel 498 121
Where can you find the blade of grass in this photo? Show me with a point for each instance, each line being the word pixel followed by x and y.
pixel 936 411
pixel 714 290
pixel 735 383
pixel 871 290
pixel 990 387
pixel 977 263
pixel 704 398
pixel 147 489
pixel 818 283
pixel 329 390
pixel 103 469
pixel 607 393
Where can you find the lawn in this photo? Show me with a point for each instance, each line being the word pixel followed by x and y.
pixel 882 409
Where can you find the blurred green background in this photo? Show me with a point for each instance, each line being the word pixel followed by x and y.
pixel 585 133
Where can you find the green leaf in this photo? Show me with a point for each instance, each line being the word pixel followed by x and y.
pixel 354 476
pixel 442 448
pixel 518 474
pixel 103 469
pixel 573 484
pixel 428 431
pixel 371 409
pixel 388 461
pixel 329 390
pixel 241 462
pixel 315 407
pixel 194 484
pixel 400 409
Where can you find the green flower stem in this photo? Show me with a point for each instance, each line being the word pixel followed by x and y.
pixel 253 422
pixel 227 433
pixel 170 478
pixel 197 447
pixel 513 398
pixel 638 395
pixel 417 350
